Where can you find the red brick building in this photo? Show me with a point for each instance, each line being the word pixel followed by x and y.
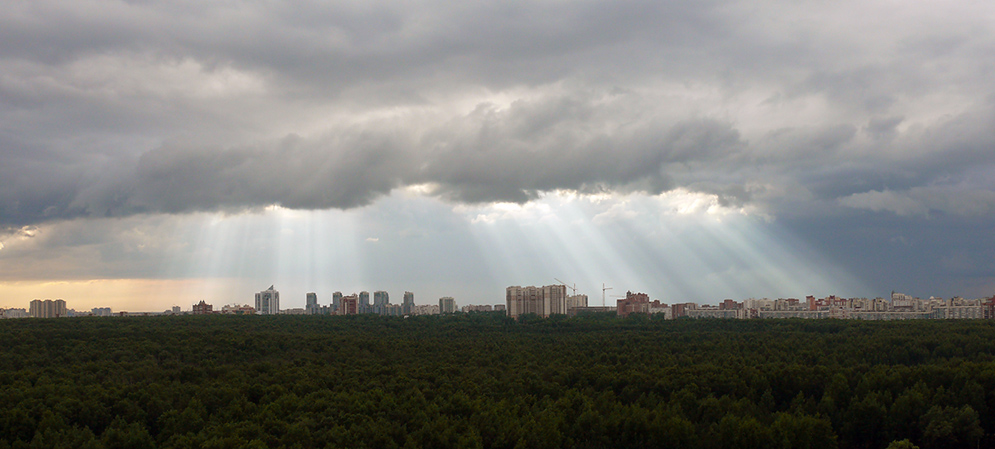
pixel 349 305
pixel 730 305
pixel 633 303
pixel 203 308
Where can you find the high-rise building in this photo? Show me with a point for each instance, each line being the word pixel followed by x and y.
pixel 336 300
pixel 543 301
pixel 349 305
pixel 364 302
pixel 447 304
pixel 380 302
pixel 408 306
pixel 381 297
pixel 268 302
pixel 311 304
pixel 47 308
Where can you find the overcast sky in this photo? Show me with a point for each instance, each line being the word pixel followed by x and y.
pixel 159 153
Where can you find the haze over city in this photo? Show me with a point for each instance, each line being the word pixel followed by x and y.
pixel 155 154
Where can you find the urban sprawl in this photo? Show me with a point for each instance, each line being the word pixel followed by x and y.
pixel 551 300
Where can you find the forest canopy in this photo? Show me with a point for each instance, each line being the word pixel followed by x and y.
pixel 484 380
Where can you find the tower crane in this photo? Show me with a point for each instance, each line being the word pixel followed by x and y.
pixel 603 290
pixel 574 288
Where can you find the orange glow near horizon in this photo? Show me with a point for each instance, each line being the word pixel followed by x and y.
pixel 132 295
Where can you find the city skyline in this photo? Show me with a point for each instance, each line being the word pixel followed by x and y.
pixel 155 154
pixel 543 300
pixel 547 301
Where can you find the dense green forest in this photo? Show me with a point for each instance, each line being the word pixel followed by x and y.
pixel 484 380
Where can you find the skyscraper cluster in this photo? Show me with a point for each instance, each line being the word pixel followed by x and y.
pixel 360 303
pixel 47 308
pixel 267 303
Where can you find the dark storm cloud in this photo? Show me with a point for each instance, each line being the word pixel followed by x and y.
pixel 514 154
pixel 337 45
pixel 115 108
pixel 488 155
pixel 343 172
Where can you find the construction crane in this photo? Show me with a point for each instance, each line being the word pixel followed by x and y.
pixel 574 288
pixel 603 290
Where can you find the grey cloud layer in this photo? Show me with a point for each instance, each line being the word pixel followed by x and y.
pixel 112 108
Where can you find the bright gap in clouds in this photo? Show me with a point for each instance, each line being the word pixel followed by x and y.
pixel 677 247
pixel 297 251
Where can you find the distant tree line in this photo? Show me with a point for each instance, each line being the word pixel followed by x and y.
pixel 482 380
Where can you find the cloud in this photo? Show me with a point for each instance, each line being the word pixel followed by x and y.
pixel 883 128
pixel 490 154
pixel 126 127
pixel 898 203
pixel 923 200
pixel 586 142
pixel 155 107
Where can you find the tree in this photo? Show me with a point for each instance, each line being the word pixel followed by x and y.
pixel 951 428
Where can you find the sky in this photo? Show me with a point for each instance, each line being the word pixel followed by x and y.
pixel 159 153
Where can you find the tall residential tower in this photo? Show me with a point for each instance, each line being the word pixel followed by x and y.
pixel 380 302
pixel 408 306
pixel 543 301
pixel 268 302
pixel 311 304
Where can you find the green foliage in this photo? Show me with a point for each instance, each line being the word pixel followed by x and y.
pixel 951 427
pixel 483 380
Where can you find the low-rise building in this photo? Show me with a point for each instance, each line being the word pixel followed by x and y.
pixel 203 308
pixel 577 311
pixel 715 312
pixel 656 308
pixel 633 303
pixel 960 312
pixel 15 313
pixel 477 308
pixel 425 309
pixel 237 309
